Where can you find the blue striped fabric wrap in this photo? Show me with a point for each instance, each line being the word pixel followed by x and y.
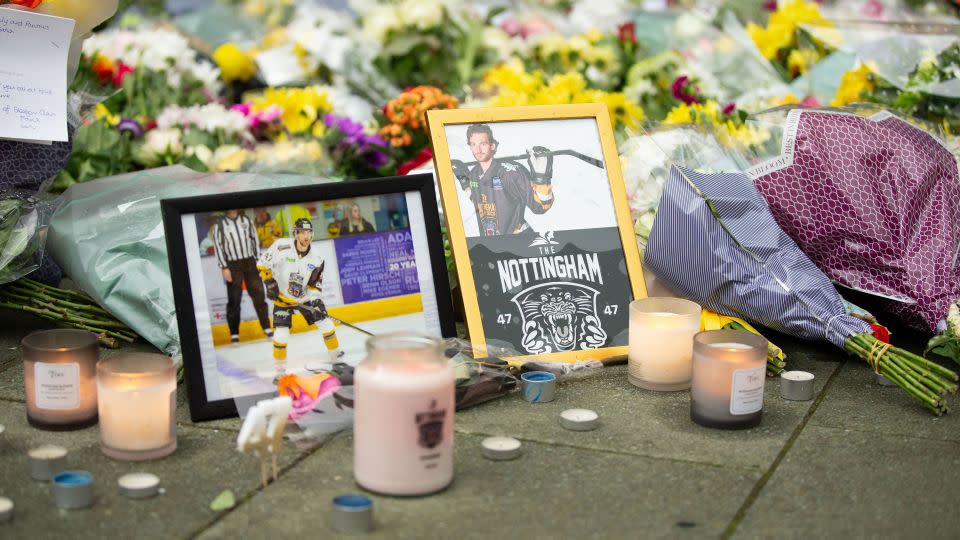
pixel 743 265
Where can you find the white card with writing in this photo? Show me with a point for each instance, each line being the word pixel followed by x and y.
pixel 33 75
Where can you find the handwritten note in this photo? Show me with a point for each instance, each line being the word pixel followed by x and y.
pixel 33 75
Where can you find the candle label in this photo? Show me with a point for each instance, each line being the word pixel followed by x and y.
pixel 746 393
pixel 57 385
pixel 430 429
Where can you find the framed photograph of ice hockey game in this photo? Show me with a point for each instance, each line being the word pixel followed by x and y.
pixel 293 281
pixel 540 229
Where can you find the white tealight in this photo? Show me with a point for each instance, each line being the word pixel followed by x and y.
pixel 796 385
pixel 47 460
pixel 139 485
pixel 579 419
pixel 6 509
pixel 500 448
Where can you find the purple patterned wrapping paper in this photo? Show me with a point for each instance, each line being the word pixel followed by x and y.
pixel 715 242
pixel 875 203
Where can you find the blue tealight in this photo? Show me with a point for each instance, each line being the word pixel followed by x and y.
pixel 353 501
pixel 73 478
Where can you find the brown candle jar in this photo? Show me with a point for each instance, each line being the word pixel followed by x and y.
pixel 60 378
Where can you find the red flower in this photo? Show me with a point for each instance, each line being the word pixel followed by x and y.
pixel 627 32
pixel 27 3
pixel 881 332
pixel 729 108
pixel 122 71
pixel 424 156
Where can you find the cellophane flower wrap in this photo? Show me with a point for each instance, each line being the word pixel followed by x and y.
pixel 874 201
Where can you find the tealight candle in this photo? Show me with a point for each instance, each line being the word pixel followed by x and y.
pixel 47 460
pixel 661 342
pixel 138 402
pixel 579 419
pixel 500 448
pixel 59 378
pixel 729 370
pixel 403 416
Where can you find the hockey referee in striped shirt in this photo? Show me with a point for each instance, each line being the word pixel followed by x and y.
pixel 235 244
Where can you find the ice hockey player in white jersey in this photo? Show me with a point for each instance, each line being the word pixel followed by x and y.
pixel 292 276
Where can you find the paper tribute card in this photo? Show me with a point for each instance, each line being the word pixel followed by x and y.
pixel 33 75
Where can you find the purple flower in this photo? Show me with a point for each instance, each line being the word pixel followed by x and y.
pixel 130 126
pixel 729 108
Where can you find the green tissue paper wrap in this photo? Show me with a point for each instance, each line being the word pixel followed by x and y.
pixel 108 237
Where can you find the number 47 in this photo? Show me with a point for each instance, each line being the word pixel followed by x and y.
pixel 610 309
pixel 504 318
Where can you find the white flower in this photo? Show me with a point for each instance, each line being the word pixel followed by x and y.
pixel 158 145
pixel 639 89
pixel 588 14
pixel 953 320
pixel 504 46
pixel 378 23
pixel 424 14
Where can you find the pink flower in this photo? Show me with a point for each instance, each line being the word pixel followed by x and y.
pixel 810 101
pixel 729 108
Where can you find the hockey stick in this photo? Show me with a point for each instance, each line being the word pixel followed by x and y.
pixel 592 161
pixel 345 323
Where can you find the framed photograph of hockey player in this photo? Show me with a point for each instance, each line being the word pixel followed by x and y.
pixel 293 281
pixel 540 229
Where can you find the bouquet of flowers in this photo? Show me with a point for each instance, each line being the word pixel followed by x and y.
pixel 734 259
pixel 874 202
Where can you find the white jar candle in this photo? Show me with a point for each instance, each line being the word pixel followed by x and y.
pixel 137 402
pixel 661 342
pixel 403 416
pixel 729 372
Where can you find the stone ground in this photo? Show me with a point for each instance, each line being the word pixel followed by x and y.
pixel 859 460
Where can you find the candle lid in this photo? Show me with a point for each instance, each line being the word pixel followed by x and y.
pixel 73 490
pixel 579 419
pixel 139 485
pixel 6 509
pixel 501 448
pixel 352 514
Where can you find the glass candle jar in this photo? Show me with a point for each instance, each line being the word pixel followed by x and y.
pixel 138 405
pixel 729 371
pixel 59 377
pixel 661 342
pixel 403 416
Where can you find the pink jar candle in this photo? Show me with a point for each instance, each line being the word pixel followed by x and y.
pixel 403 416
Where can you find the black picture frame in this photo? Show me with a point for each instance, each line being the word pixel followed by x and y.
pixel 201 408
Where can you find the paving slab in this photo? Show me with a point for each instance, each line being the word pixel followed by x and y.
pixel 835 483
pixel 857 402
pixel 656 424
pixel 549 492
pixel 205 463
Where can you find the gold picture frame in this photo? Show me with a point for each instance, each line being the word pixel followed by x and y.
pixel 546 321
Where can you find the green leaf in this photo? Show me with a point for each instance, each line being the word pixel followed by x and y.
pixel 194 163
pixel 402 45
pixel 97 138
pixel 224 501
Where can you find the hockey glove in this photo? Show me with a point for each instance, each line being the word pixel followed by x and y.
pixel 273 290
pixel 319 309
pixel 462 173
pixel 540 161
pixel 316 277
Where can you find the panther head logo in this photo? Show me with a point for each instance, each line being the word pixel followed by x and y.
pixel 559 317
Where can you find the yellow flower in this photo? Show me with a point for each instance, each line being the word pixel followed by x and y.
pixel 622 110
pixel 853 84
pixel 102 112
pixel 728 131
pixel 233 161
pixel 274 38
pixel 234 64
pixel 302 107
pixel 781 29
pixel 800 60
pixel 594 35
pixel 511 76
